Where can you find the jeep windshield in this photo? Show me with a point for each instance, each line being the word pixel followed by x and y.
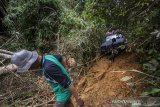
pixel 116 36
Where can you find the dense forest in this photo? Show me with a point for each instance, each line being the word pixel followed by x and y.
pixel 77 28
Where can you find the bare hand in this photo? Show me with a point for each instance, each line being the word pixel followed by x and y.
pixel 80 102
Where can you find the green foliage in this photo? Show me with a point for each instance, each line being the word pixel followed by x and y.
pixel 36 21
pixel 80 26
pixel 137 18
pixel 81 37
pixel 153 91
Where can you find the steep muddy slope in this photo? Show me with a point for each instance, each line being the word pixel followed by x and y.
pixel 107 79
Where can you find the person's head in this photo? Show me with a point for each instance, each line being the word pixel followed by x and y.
pixel 25 60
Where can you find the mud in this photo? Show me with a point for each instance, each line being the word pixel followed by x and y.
pixel 108 80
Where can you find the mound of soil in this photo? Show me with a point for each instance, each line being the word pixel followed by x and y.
pixel 106 79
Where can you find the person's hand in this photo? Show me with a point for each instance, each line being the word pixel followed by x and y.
pixel 80 102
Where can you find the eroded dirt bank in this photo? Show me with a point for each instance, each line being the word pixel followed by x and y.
pixel 106 79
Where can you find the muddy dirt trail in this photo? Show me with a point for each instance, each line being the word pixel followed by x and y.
pixel 106 79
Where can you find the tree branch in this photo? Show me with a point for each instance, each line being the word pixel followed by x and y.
pixel 146 10
pixel 5 56
pixel 6 52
